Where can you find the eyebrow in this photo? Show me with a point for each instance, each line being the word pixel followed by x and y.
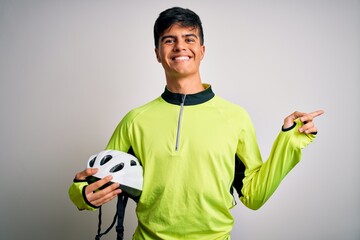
pixel 185 35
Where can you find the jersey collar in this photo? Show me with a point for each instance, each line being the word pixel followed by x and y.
pixel 191 99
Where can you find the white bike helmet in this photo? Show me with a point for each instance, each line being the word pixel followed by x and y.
pixel 124 168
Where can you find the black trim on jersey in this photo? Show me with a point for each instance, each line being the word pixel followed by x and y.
pixel 131 151
pixel 239 175
pixel 77 180
pixel 86 200
pixel 191 99
pixel 289 128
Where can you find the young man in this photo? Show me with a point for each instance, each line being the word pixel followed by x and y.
pixel 194 147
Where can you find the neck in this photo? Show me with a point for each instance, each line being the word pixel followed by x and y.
pixel 186 85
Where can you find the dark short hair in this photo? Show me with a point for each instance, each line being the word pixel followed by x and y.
pixel 177 15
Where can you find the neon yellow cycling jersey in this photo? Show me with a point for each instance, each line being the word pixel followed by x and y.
pixel 188 145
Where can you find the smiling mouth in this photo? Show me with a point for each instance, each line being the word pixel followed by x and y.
pixel 181 58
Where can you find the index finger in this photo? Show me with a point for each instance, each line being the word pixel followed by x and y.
pixel 316 113
pixel 100 183
pixel 85 173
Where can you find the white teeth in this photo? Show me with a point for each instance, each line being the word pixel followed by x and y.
pixel 182 58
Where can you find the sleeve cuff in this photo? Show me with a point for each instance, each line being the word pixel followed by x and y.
pixel 75 192
pixel 289 128
pixel 78 181
pixel 86 200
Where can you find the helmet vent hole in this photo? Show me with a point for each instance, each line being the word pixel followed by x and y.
pixel 92 162
pixel 105 159
pixel 117 167
pixel 133 163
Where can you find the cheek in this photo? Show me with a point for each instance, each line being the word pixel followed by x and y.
pixel 158 55
pixel 161 56
pixel 199 53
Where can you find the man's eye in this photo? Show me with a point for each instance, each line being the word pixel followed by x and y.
pixel 190 40
pixel 169 41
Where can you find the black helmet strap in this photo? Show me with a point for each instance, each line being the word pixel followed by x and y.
pixel 121 205
pixel 119 216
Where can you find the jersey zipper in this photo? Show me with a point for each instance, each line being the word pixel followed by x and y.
pixel 183 97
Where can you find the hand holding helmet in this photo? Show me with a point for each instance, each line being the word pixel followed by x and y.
pixel 99 197
pixel 124 168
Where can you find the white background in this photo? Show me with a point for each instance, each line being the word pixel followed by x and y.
pixel 70 70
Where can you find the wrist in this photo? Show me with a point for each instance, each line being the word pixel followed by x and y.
pixel 285 129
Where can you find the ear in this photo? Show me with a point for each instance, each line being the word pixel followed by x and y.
pixel 157 55
pixel 202 51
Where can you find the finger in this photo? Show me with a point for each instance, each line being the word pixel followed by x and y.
pixel 311 130
pixel 306 118
pixel 289 120
pixel 308 128
pixel 310 116
pixel 295 115
pixel 103 200
pixel 109 192
pixel 87 172
pixel 105 195
pixel 317 113
pixel 106 198
pixel 98 184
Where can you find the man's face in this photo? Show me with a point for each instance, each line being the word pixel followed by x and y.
pixel 180 51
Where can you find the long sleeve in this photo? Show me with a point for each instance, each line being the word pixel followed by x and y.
pixel 262 180
pixel 76 195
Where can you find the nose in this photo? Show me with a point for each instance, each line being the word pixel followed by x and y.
pixel 179 45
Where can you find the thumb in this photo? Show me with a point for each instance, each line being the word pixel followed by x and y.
pixel 87 172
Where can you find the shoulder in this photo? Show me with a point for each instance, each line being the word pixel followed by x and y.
pixel 229 107
pixel 136 112
pixel 134 115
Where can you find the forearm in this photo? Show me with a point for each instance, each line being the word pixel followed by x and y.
pixel 260 183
